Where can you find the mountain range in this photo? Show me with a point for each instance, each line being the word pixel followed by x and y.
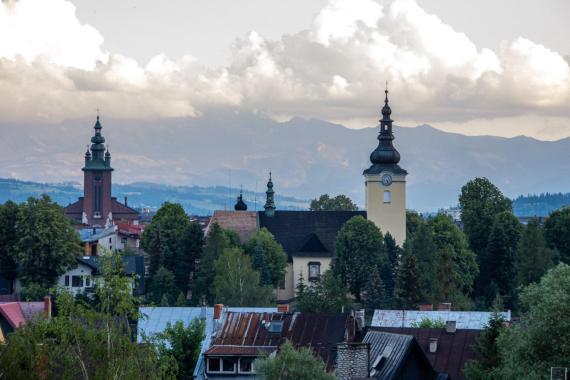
pixel 307 157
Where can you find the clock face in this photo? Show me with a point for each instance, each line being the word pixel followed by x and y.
pixel 386 179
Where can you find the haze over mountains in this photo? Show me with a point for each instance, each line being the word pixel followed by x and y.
pixel 307 157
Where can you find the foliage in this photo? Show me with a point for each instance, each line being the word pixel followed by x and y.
pixel 480 202
pixel 327 295
pixel 426 323
pixel 291 364
pixel 268 256
pixel 183 344
pixel 375 292
pixel 487 349
pixel 407 287
pixel 542 339
pixel 389 273
pixel 424 249
pixel 338 203
pixel 413 221
pixel 533 257
pixel 540 204
pixel 557 232
pixel 8 238
pixel 47 244
pixel 162 288
pixel 217 241
pixel 173 242
pixel 359 247
pixel 33 292
pixel 236 283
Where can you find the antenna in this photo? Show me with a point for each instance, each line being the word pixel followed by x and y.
pixel 255 196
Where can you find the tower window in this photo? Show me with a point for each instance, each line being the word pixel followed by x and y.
pixel 387 196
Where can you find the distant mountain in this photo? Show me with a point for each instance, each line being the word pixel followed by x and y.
pixel 195 200
pixel 308 157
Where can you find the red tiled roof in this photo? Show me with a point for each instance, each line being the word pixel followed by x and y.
pixel 240 350
pixel 244 223
pixel 130 229
pixel 13 314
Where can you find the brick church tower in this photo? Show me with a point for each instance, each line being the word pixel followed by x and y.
pixel 97 207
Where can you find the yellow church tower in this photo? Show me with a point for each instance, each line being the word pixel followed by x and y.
pixel 385 183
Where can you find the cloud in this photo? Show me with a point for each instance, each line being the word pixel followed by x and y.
pixel 52 67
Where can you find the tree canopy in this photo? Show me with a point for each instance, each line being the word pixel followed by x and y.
pixel 269 257
pixel 338 203
pixel 557 232
pixel 327 295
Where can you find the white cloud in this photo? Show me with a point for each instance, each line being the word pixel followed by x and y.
pixel 52 67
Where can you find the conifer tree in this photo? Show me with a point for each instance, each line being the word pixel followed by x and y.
pixel 388 275
pixel 407 285
pixel 533 257
pixel 269 257
pixel 424 250
pixel 375 292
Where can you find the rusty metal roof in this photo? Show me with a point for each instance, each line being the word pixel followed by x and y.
pixel 248 333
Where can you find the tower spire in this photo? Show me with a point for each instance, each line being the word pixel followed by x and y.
pixel 270 200
pixel 240 204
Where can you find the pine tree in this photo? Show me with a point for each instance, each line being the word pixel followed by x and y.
pixel 389 273
pixel 375 292
pixel 407 285
pixel 424 249
pixel 533 257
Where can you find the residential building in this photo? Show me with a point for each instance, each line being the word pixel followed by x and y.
pixel 14 314
pixel 98 207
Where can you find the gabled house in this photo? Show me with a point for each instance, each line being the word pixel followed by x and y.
pixel 14 315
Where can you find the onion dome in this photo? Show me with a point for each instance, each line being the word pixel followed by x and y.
pixel 240 204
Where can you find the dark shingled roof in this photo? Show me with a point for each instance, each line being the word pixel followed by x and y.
pixel 453 350
pixel 244 334
pixel 304 233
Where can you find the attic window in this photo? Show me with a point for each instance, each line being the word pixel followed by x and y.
pixel 276 327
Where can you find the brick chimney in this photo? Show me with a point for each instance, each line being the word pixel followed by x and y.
pixel 426 307
pixel 444 306
pixel 283 308
pixel 353 361
pixel 47 307
pixel 218 309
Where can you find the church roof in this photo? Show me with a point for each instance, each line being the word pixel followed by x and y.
pixel 306 233
pixel 244 223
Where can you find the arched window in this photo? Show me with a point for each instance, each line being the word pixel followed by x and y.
pixel 387 196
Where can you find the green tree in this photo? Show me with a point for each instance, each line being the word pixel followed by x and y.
pixel 480 202
pixel 533 257
pixel 498 262
pixel 327 295
pixel 163 285
pixel 47 244
pixel 8 239
pixel 424 249
pixel 184 343
pixel 359 246
pixel 541 340
pixel 338 203
pixel 557 233
pixel 291 364
pixel 487 349
pixel 236 283
pixel 389 273
pixel 217 241
pixel 269 257
pixel 375 292
pixel 407 284
pixel 413 221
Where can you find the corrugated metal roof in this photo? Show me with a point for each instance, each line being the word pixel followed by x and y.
pixel 405 318
pixel 392 349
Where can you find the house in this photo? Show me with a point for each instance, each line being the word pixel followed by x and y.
pixel 156 319
pixel 447 349
pixel 244 337
pixel 308 236
pixel 116 237
pixel 83 277
pixel 386 356
pixel 14 315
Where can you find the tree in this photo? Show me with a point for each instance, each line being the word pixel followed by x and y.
pixel 359 246
pixel 236 283
pixel 407 285
pixel 269 257
pixel 487 349
pixel 557 233
pixel 393 253
pixel 163 285
pixel 8 239
pixel 498 262
pixel 184 343
pixel 217 241
pixel 413 221
pixel 291 364
pixel 533 257
pixel 424 249
pixel 338 203
pixel 47 243
pixel 541 340
pixel 326 295
pixel 375 292
pixel 480 202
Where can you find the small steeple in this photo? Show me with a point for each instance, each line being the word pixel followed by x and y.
pixel 97 156
pixel 270 201
pixel 108 157
pixel 240 204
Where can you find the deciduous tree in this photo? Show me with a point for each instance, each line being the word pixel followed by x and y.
pixel 8 239
pixel 407 285
pixel 162 287
pixel 338 203
pixel 533 257
pixel 268 255
pixel 557 233
pixel 326 295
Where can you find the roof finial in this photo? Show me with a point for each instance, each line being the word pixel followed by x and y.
pixel 386 92
pixel 97 113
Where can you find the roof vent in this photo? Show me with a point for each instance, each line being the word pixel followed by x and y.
pixel 432 345
pixel 450 327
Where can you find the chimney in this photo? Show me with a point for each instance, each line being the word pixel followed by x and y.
pixel 426 307
pixel 47 307
pixel 432 345
pixel 450 327
pixel 283 308
pixel 218 309
pixel 444 306
pixel 353 361
pixel 126 203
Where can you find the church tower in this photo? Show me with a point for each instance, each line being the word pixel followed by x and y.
pixel 385 183
pixel 97 200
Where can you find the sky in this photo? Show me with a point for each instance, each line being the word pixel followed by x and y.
pixel 472 67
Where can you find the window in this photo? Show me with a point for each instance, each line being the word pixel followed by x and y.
pixel 66 280
pixel 110 240
pixel 213 364
pixel 246 365
pixel 314 271
pixel 228 365
pixel 387 196
pixel 276 326
pixel 87 281
pixel 222 365
pixel 124 241
pixel 76 281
